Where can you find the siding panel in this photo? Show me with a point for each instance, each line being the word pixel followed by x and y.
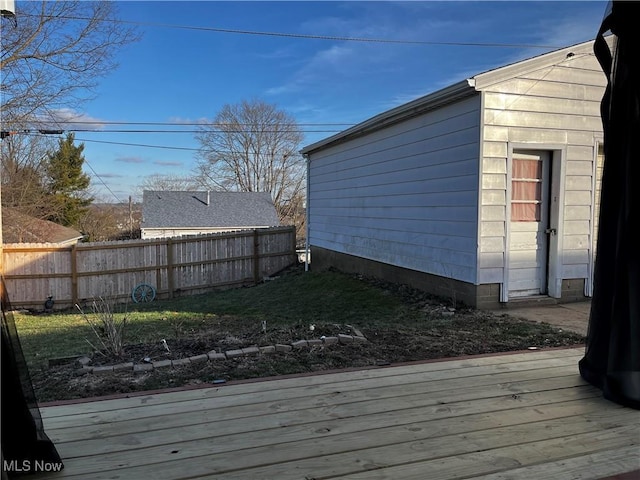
pixel 406 195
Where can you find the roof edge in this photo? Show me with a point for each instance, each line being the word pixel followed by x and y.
pixel 490 77
pixel 449 94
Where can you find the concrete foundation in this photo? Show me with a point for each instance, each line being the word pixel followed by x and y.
pixel 452 292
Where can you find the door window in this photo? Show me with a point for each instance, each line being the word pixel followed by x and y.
pixel 526 190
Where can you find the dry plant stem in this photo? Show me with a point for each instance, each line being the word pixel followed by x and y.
pixel 107 329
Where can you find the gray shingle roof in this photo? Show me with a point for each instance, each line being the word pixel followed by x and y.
pixel 197 209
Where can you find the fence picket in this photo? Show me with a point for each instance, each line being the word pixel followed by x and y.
pixel 175 266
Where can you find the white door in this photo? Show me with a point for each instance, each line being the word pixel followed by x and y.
pixel 528 239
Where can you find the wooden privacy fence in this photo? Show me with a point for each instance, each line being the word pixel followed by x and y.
pixel 173 266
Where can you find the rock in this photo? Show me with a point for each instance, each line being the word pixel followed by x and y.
pixel 123 366
pixel 251 351
pixel 162 364
pixel 103 370
pixel 142 367
pixel 83 360
pixel 299 344
pixel 199 358
pixel 213 356
pixel 181 362
pixel 83 371
pixel 356 332
pixel 234 353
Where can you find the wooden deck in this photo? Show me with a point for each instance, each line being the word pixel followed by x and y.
pixel 524 415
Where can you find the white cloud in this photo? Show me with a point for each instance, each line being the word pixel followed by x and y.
pixel 111 175
pixel 130 160
pixel 279 54
pixel 168 164
pixel 68 119
pixel 188 121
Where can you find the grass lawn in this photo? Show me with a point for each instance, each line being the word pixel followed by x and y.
pixel 295 299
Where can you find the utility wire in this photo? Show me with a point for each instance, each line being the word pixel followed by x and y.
pixel 175 124
pixel 321 37
pixel 102 181
pixel 84 130
pixel 164 147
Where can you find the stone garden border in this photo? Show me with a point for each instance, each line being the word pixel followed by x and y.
pixel 212 356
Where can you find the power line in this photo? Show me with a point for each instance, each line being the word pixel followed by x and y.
pixel 127 144
pixel 102 181
pixel 84 130
pixel 188 124
pixel 165 147
pixel 321 37
pixel 143 145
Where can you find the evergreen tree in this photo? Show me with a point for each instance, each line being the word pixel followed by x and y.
pixel 67 183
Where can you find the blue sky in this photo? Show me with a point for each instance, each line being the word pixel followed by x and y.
pixel 182 76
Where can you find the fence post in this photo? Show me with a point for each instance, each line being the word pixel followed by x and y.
pixel 256 258
pixel 158 269
pixel 294 239
pixel 74 274
pixel 170 266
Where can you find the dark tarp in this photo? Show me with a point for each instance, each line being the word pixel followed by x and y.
pixel 612 357
pixel 23 439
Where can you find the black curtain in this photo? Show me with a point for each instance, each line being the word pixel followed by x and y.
pixel 24 443
pixel 612 356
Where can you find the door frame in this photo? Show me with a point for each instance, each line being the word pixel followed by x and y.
pixel 588 284
pixel 557 157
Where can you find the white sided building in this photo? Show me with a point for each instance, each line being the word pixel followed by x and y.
pixel 484 192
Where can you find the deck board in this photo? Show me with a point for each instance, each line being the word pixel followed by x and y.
pixel 492 417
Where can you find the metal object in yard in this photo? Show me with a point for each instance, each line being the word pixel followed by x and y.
pixel 143 293
pixel 48 304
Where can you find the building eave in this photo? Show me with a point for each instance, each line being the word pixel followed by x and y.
pixel 452 93
pixel 522 67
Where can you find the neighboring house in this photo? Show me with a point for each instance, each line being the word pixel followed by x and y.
pixel 485 191
pixel 172 214
pixel 18 227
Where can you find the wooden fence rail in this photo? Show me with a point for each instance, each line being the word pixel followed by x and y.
pixel 173 266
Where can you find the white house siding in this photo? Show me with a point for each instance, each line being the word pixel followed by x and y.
pixel 147 233
pixel 554 106
pixel 405 195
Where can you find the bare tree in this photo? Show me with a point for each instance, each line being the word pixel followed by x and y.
pixel 54 55
pixel 51 58
pixel 111 221
pixel 24 174
pixel 168 182
pixel 253 147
